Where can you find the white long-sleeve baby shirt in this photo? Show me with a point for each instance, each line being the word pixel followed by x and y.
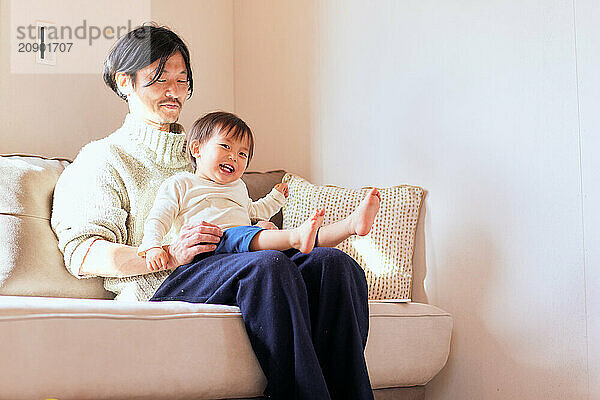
pixel 185 198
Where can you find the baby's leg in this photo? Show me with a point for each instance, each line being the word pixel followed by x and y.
pixel 301 238
pixel 358 223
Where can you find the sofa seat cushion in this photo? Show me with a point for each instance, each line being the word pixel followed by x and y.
pixel 91 349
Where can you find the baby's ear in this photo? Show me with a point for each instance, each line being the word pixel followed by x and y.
pixel 195 148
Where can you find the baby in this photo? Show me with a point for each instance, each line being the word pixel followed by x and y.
pixel 220 146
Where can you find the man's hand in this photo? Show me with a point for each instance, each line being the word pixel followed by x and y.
pixel 192 240
pixel 283 189
pixel 267 225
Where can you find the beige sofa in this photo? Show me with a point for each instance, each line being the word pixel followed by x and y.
pixel 65 338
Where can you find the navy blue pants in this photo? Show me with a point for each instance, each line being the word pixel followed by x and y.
pixel 237 239
pixel 306 315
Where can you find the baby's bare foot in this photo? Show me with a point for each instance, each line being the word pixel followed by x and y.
pixel 304 235
pixel 363 217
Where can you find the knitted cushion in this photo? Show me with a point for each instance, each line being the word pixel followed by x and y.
pixel 30 261
pixel 386 252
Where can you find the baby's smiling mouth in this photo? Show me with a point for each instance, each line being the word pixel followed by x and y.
pixel 227 168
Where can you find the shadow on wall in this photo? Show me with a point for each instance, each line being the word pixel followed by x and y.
pixel 418 293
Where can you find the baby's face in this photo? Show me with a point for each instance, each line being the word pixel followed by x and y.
pixel 222 159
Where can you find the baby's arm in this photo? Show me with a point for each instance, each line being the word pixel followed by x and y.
pixel 269 205
pixel 164 211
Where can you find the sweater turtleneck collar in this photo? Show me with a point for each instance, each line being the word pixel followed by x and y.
pixel 167 148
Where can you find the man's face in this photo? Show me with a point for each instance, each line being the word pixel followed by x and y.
pixel 160 102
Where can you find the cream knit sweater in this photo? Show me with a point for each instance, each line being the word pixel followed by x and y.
pixel 108 191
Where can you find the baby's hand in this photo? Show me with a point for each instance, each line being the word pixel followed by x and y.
pixel 283 189
pixel 156 259
pixel 267 225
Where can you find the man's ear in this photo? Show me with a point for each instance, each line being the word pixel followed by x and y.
pixel 124 83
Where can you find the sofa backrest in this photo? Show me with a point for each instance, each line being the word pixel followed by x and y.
pixel 260 184
pixel 30 261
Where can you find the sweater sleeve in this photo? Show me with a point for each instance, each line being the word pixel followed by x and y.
pixel 162 215
pixel 268 206
pixel 90 201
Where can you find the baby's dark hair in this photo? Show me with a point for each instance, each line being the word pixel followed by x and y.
pixel 217 122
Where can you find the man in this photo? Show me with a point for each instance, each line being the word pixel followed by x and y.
pixel 306 314
pixel 150 69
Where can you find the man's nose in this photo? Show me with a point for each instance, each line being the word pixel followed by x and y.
pixel 172 90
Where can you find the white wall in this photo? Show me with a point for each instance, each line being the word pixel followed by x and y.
pixel 274 44
pixel 588 65
pixel 56 114
pixel 477 102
